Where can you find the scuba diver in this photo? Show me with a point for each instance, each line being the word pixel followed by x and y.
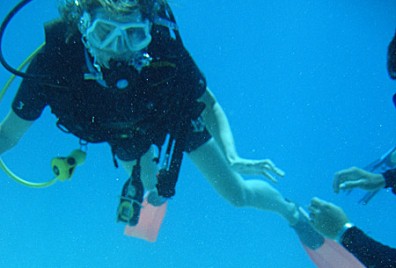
pixel 332 222
pixel 381 173
pixel 116 71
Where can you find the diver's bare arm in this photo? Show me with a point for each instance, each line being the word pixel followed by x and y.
pixel 11 130
pixel 217 124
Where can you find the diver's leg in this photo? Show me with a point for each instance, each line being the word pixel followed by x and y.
pixel 148 169
pixel 252 193
pixel 239 192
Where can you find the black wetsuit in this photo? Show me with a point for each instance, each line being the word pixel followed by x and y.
pixel 370 252
pixel 391 62
pixel 390 179
pixel 129 119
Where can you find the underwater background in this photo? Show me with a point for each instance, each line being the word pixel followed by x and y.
pixel 303 83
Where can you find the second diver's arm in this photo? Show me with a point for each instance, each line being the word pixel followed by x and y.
pixel 358 178
pixel 332 222
pixel 390 179
pixel 370 252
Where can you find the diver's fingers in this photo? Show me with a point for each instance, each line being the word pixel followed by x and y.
pixel 279 172
pixel 338 179
pixel 352 184
pixel 269 176
pixel 341 177
pixel 317 203
pixel 269 165
pixel 313 210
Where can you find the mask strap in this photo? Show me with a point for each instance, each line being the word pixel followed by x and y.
pixel 166 23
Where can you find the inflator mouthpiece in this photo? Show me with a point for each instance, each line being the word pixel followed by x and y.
pixel 64 167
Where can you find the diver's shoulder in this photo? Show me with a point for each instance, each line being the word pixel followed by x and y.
pixel 58 34
pixel 55 26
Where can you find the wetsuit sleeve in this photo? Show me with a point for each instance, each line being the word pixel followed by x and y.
pixel 192 77
pixel 390 179
pixel 391 62
pixel 32 96
pixel 30 99
pixel 370 252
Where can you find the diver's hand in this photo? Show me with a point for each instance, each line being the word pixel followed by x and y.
pixel 256 167
pixel 327 218
pixel 357 178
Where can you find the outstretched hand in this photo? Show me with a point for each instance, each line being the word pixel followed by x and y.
pixel 357 178
pixel 327 218
pixel 257 167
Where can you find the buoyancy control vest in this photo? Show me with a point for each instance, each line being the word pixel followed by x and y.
pixel 161 100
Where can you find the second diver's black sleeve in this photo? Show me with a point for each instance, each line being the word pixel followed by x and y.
pixel 391 62
pixel 370 252
pixel 390 179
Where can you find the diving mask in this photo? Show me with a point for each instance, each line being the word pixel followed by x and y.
pixel 117 37
pixel 108 36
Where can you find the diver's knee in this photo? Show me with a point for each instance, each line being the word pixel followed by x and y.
pixel 237 203
pixel 238 199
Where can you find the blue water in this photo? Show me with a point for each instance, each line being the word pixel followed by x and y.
pixel 304 83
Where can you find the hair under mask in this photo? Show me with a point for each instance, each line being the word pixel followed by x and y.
pixel 72 10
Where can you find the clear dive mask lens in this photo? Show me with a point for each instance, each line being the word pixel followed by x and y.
pixel 116 37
